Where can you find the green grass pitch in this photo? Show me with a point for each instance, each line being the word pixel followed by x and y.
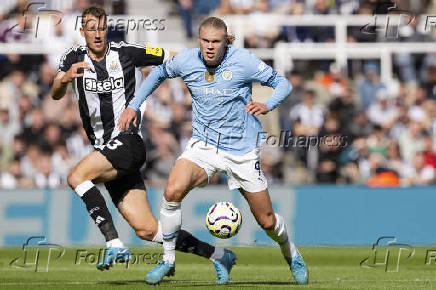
pixel 257 267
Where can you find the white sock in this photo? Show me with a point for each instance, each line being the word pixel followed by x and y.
pixel 82 188
pixel 158 237
pixel 171 219
pixel 217 254
pixel 115 243
pixel 280 235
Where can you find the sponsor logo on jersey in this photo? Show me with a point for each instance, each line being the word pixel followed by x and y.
pixel 213 91
pixel 105 86
pixel 153 50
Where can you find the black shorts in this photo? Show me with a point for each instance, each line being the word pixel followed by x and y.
pixel 126 153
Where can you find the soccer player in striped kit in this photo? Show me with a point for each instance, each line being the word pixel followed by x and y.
pixel 104 77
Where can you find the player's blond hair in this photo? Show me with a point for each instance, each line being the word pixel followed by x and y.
pixel 217 23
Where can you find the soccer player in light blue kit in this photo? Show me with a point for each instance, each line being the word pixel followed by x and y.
pixel 225 138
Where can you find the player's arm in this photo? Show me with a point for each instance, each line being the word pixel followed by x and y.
pixel 154 79
pixel 258 71
pixel 62 79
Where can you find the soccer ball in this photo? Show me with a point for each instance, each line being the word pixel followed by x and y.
pixel 223 220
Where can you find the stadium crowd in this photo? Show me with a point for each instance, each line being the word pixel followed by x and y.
pixel 343 127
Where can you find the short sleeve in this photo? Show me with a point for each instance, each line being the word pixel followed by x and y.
pixel 67 60
pixel 172 66
pixel 144 55
pixel 257 70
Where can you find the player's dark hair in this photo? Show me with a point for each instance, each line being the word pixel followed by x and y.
pixel 94 10
pixel 217 23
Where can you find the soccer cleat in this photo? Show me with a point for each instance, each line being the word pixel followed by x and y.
pixel 299 269
pixel 114 255
pixel 162 269
pixel 223 266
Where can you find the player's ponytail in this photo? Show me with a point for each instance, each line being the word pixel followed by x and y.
pixel 217 23
pixel 230 38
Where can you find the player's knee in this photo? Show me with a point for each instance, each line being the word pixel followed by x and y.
pixel 267 221
pixel 74 179
pixel 174 192
pixel 146 234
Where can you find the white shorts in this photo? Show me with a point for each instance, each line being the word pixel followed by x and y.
pixel 243 171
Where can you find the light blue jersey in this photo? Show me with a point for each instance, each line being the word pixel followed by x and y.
pixel 219 95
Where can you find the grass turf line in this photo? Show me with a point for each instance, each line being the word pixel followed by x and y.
pixel 257 267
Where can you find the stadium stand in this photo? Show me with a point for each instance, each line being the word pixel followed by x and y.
pixel 363 126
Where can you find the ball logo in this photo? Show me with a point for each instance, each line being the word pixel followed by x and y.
pixel 105 86
pixel 227 75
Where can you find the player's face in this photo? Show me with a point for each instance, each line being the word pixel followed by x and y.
pixel 212 45
pixel 95 32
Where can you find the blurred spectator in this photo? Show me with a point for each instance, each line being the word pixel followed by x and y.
pixel 45 177
pixel 343 108
pixel 34 128
pixel 418 173
pixel 330 148
pixel 360 126
pixel 430 84
pixel 185 8
pixel 334 81
pixel 394 160
pixel 307 116
pixel 411 141
pixel 383 112
pixel 377 141
pixel 263 28
pixel 370 86
pixel 307 119
pixel 429 152
pixel 293 99
pixel 8 127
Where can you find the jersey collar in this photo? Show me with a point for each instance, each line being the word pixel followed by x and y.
pixel 107 51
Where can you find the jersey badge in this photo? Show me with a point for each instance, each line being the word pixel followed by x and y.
pixel 227 75
pixel 114 67
pixel 209 77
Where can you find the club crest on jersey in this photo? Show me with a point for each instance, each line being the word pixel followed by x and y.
pixel 114 67
pixel 209 77
pixel 227 75
pixel 105 86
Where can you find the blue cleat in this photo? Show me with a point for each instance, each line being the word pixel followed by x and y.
pixel 162 269
pixel 299 269
pixel 114 255
pixel 223 266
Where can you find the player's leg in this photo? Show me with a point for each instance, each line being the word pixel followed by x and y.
pixel 184 176
pixel 136 210
pixel 94 168
pixel 274 226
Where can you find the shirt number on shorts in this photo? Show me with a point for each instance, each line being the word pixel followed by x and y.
pixel 113 144
pixel 257 166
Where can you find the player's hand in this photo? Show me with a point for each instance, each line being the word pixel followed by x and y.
pixel 256 108
pixel 72 72
pixel 128 116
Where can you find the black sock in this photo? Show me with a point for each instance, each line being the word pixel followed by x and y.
pixel 187 243
pixel 96 206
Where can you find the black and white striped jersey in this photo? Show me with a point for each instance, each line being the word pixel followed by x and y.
pixel 106 88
